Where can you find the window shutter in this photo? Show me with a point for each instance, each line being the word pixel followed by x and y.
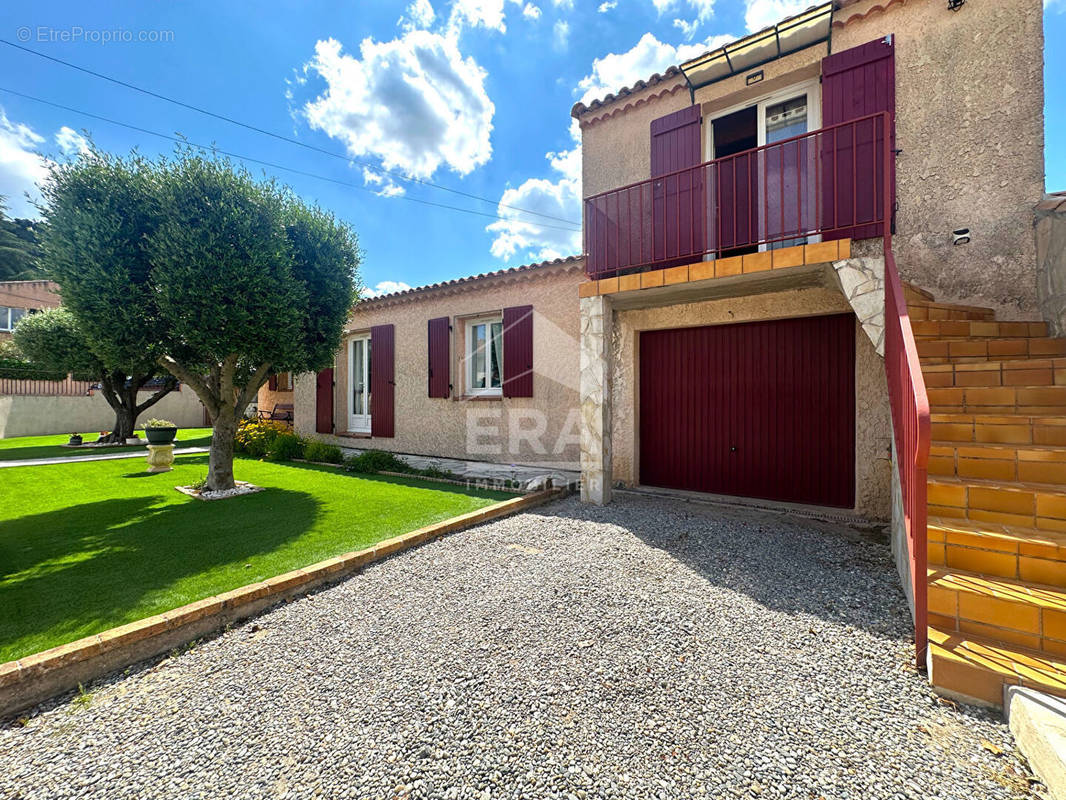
pixel 678 231
pixel 272 383
pixel 324 401
pixel 518 351
pixel 440 357
pixel 856 83
pixel 382 381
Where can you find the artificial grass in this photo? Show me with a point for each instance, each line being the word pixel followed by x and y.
pixel 21 448
pixel 91 545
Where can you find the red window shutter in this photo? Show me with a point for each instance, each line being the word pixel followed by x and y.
pixel 272 383
pixel 856 83
pixel 324 401
pixel 382 381
pixel 518 351
pixel 440 357
pixel 678 230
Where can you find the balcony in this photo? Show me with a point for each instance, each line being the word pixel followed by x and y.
pixel 823 185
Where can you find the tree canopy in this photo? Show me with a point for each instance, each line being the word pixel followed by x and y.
pixel 20 249
pixel 195 265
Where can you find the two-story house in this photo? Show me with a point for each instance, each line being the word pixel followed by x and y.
pixel 739 326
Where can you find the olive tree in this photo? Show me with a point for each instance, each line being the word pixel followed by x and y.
pixel 223 279
pixel 52 340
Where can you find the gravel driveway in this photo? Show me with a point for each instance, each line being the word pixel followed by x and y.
pixel 649 649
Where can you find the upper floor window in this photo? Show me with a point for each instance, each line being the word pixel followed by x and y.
pixel 484 356
pixel 9 316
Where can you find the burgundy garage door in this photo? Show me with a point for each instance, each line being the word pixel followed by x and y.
pixel 759 409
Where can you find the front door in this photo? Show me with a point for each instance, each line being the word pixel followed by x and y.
pixel 359 384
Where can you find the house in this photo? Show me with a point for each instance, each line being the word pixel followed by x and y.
pixel 810 280
pixel 18 298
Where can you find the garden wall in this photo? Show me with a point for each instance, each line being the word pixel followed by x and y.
pixel 37 415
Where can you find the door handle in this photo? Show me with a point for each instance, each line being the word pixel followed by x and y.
pixel 733 449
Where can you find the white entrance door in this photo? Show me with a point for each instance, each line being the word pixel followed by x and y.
pixel 359 384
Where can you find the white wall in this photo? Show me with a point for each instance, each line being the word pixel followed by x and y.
pixel 32 415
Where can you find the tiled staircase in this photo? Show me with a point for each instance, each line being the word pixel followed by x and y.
pixel 997 499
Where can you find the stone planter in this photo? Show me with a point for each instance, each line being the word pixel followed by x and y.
pixel 160 457
pixel 160 435
pixel 133 440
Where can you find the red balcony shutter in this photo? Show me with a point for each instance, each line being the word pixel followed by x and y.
pixel 678 227
pixel 856 83
pixel 324 401
pixel 518 351
pixel 439 357
pixel 382 381
pixel 272 383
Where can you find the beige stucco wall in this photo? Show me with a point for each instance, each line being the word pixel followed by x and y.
pixel 479 429
pixel 969 121
pixel 33 415
pixel 267 399
pixel 873 426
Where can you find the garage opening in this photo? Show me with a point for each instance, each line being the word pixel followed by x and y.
pixel 758 409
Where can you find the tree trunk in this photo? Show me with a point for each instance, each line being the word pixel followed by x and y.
pixel 220 461
pixel 121 395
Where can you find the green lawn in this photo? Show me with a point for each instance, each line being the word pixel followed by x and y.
pixel 88 546
pixel 21 448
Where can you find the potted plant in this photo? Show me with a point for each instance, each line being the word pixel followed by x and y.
pixel 160 431
pixel 75 439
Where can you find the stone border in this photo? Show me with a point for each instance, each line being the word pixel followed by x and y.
pixel 40 676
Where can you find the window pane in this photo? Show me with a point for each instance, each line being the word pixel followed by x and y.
pixel 477 357
pixel 5 324
pixel 358 389
pixel 366 375
pixel 496 377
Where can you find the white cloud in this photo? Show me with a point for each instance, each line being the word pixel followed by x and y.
pixel 561 34
pixel 688 28
pixel 520 233
pixel 21 167
pixel 385 287
pixel 607 5
pixel 566 5
pixel 764 13
pixel 414 102
pixel 648 56
pixel 419 16
pixel 479 13
pixel 71 142
pixel 530 11
pixel 389 188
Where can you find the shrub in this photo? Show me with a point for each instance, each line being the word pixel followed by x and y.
pixel 372 461
pixel 320 451
pixel 255 436
pixel 285 447
pixel 159 423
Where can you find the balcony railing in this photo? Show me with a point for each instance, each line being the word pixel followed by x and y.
pixel 831 183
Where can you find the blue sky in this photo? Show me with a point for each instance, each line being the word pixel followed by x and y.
pixel 473 95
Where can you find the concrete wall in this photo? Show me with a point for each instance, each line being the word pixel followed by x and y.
pixel 32 415
pixel 873 422
pixel 476 428
pixel 969 121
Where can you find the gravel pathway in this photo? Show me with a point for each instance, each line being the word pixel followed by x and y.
pixel 651 649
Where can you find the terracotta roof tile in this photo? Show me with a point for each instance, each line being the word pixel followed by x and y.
pixel 671 73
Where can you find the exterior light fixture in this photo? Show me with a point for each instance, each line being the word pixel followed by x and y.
pixel 754 77
pixel 961 236
pixel 955 5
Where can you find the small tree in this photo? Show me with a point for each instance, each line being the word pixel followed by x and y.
pixel 231 279
pixel 52 340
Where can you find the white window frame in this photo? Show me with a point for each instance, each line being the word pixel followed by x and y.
pixel 359 423
pixel 468 349
pixel 812 88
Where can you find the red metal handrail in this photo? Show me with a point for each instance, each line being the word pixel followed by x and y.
pixel 827 182
pixel 910 423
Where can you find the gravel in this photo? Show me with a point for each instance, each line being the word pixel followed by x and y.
pixel 651 649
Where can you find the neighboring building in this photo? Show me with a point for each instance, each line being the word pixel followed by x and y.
pixel 18 298
pixel 742 330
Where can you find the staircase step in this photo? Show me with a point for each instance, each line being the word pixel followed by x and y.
pixel 998 429
pixel 1028 505
pixel 999 462
pixel 976 667
pixel 984 329
pixel 912 292
pixel 1028 615
pixel 947 350
pixel 1021 372
pixel 1005 551
pixel 1032 400
pixel 927 309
